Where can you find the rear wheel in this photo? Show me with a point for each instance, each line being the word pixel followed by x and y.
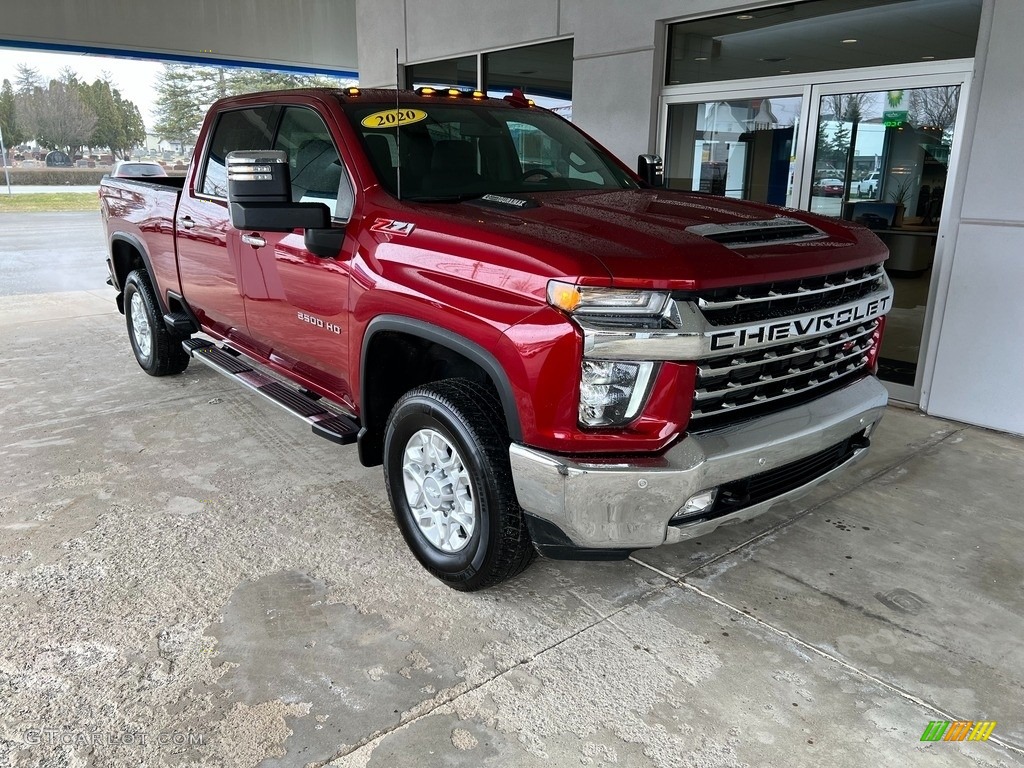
pixel 448 477
pixel 158 352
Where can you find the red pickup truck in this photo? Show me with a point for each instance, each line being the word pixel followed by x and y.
pixel 546 351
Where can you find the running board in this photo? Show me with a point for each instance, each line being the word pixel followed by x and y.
pixel 330 425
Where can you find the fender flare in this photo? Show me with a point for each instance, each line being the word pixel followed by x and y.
pixel 140 246
pixel 445 338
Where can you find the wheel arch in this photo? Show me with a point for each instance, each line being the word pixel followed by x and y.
pixel 128 253
pixel 382 334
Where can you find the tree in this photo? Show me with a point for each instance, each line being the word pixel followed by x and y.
pixel 27 79
pixel 185 91
pixel 935 107
pixel 182 97
pixel 12 133
pixel 254 80
pixel 118 122
pixel 56 117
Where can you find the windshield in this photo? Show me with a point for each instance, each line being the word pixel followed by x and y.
pixel 459 151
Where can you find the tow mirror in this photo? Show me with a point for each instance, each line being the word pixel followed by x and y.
pixel 649 168
pixel 260 195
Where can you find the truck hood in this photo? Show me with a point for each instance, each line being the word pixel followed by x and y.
pixel 675 240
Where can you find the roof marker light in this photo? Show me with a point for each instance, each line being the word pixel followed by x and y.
pixel 479 95
pixel 426 91
pixel 454 92
pixel 353 91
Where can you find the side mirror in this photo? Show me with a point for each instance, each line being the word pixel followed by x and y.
pixel 260 194
pixel 649 168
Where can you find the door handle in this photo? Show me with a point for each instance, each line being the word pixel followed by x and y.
pixel 187 223
pixel 254 240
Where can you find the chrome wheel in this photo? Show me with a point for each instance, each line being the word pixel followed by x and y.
pixel 439 491
pixel 140 326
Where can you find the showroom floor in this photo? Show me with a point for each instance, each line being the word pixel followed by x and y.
pixel 192 578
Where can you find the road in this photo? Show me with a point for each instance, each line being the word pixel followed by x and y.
pixel 29 189
pixel 52 252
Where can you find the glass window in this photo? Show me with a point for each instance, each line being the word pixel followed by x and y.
pixel 239 129
pixel 543 72
pixel 820 36
pixel 460 73
pixel 317 174
pixel 458 152
pixel 740 148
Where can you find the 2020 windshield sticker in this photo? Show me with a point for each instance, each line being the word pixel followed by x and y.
pixel 392 227
pixel 391 118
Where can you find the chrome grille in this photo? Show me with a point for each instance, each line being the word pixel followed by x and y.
pixel 734 306
pixel 751 383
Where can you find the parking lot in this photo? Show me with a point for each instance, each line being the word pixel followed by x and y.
pixel 192 578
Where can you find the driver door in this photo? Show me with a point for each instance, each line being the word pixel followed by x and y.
pixel 297 302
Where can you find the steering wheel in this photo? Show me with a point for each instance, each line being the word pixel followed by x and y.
pixel 542 172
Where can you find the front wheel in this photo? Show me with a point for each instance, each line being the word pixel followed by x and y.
pixel 448 477
pixel 157 351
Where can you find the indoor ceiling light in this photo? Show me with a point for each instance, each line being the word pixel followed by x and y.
pixel 927 58
pixel 849 40
pixel 700 58
pixel 744 17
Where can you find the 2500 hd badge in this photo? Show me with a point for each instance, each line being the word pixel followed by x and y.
pixel 766 333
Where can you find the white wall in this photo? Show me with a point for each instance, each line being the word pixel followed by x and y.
pixel 313 33
pixel 616 45
pixel 978 372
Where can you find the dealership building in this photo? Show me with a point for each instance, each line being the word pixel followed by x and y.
pixel 898 114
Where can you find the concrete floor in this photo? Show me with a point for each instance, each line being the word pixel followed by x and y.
pixel 180 561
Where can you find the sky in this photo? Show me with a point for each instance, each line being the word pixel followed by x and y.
pixel 134 78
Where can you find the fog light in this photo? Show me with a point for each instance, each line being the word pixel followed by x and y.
pixel 696 505
pixel 612 392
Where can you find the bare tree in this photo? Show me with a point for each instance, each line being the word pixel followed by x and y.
pixel 56 117
pixel 935 107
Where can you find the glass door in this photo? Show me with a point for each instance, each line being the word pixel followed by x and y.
pixel 881 158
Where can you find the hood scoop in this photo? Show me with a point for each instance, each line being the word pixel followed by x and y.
pixel 746 234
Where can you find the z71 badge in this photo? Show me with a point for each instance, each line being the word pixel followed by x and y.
pixel 392 227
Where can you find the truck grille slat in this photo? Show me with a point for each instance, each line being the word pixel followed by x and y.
pixel 734 306
pixel 723 366
pixel 748 384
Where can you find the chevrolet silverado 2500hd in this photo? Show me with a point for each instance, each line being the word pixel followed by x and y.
pixel 546 351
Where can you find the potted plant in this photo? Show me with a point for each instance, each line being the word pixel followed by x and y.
pixel 900 195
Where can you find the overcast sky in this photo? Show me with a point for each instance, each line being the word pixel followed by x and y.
pixel 134 78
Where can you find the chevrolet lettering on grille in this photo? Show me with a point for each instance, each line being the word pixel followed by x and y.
pixel 795 327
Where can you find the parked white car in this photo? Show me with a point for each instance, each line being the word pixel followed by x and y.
pixel 868 186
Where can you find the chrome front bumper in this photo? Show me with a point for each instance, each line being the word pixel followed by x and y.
pixel 627 504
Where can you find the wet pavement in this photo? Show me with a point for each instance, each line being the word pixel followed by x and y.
pixel 191 578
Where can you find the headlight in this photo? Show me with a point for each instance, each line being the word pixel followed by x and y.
pixel 609 302
pixel 612 392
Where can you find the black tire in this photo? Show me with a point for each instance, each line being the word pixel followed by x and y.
pixel 165 355
pixel 469 417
